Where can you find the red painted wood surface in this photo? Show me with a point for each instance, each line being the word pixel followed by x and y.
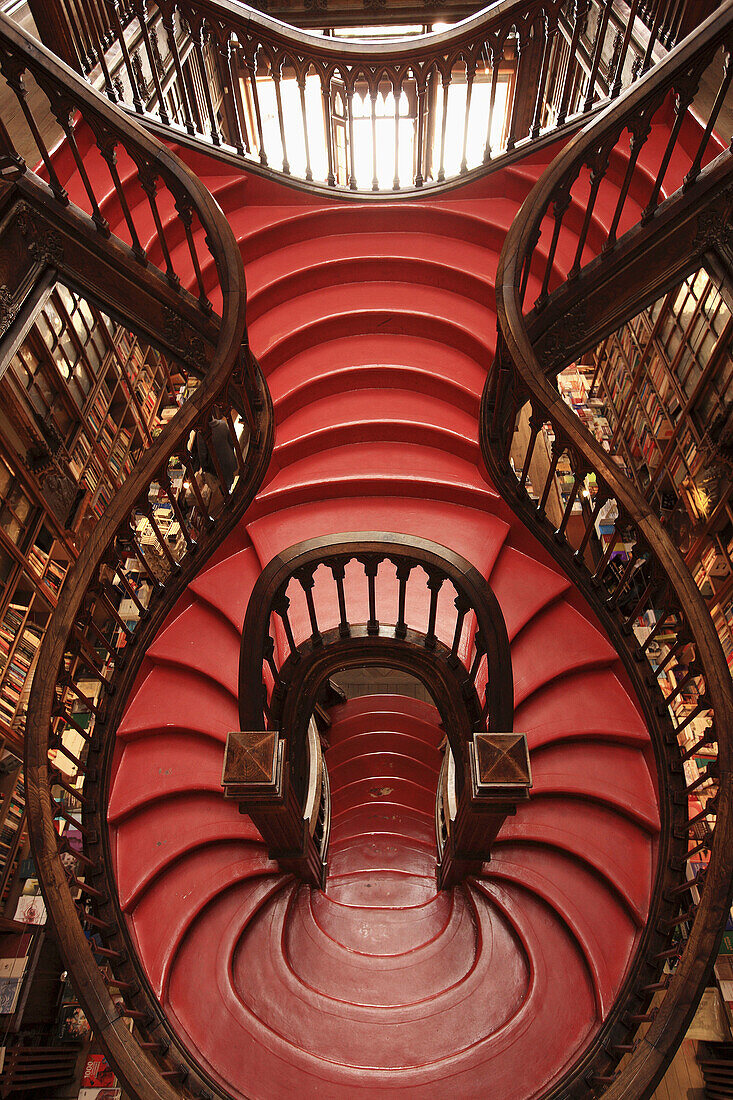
pixel 374 325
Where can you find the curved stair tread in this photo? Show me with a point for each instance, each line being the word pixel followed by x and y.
pixel 224 866
pixel 412 363
pixel 361 269
pixel 476 535
pixel 559 881
pixel 588 703
pixel 398 308
pixel 613 843
pixel 161 833
pixel 406 469
pixel 215 585
pixel 201 640
pixel 537 659
pixel 381 932
pixel 422 971
pixel 361 409
pixel 193 702
pixel 472 258
pixel 524 587
pixel 193 762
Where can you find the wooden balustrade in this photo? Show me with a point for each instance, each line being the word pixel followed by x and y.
pixel 379 116
pixel 325 623
pixel 168 516
pixel 561 280
pixel 92 652
pixel 90 642
pixel 79 31
pixel 114 161
pixel 673 20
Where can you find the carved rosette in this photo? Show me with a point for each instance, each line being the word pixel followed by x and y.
pixel 8 308
pixel 184 341
pixel 714 229
pixel 566 332
pixel 44 245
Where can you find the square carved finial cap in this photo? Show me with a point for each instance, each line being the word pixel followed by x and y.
pixel 252 763
pixel 500 765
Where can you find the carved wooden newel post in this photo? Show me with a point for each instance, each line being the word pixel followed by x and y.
pixel 256 774
pixel 498 779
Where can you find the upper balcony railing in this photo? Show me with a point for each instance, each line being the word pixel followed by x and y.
pixel 375 116
pixel 564 280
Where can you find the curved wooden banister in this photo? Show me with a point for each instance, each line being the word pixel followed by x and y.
pixel 511 43
pixel 461 654
pixel 439 565
pixel 86 642
pixel 89 651
pixel 71 101
pixel 547 268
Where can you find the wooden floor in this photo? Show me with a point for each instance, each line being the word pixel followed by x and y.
pixel 683 1080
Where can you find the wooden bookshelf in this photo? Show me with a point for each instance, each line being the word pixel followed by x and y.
pixel 664 383
pixel 81 400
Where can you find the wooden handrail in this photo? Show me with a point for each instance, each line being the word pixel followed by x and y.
pixel 546 268
pixel 73 103
pixel 299 563
pixel 233 380
pixel 389 100
pixel 88 641
pixel 462 656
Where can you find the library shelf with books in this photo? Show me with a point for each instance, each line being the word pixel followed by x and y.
pixel 664 382
pixel 80 401
pixel 91 392
pixel 573 385
pixel 12 817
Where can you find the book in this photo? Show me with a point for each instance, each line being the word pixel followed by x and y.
pixel 9 994
pixel 97 1073
pixel 31 909
pixel 73 1025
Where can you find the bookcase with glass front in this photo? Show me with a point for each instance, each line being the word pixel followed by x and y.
pixel 664 382
pixel 81 399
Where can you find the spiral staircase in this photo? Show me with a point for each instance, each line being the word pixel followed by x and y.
pixel 380 399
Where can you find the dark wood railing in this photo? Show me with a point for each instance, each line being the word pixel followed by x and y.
pixel 673 20
pixel 380 115
pixel 91 650
pixel 561 282
pixel 355 599
pixel 121 162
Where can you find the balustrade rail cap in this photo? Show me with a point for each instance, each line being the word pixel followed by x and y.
pixel 271 30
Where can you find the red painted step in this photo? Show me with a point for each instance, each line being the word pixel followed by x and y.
pixel 375 325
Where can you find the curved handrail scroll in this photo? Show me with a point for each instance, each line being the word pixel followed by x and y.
pixel 555 263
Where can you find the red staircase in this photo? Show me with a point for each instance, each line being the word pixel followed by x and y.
pixel 373 324
pixel 374 321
